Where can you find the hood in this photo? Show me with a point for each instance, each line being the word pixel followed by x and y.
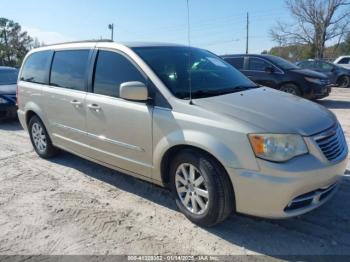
pixel 309 73
pixel 272 111
pixel 8 89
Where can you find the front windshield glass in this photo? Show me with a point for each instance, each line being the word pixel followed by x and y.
pixel 209 74
pixel 284 64
pixel 8 76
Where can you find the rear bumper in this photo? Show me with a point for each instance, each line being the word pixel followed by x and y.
pixel 273 191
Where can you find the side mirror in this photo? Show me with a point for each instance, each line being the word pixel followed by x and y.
pixel 135 91
pixel 269 69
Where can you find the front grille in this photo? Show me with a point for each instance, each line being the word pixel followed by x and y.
pixel 315 197
pixel 332 143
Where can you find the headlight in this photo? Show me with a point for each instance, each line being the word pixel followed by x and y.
pixel 314 80
pixel 3 101
pixel 277 148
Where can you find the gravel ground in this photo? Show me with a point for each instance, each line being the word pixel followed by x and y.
pixel 71 206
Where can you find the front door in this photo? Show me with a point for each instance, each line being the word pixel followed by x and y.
pixel 257 72
pixel 119 131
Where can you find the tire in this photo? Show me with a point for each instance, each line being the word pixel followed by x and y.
pixel 291 89
pixel 343 82
pixel 219 203
pixel 40 138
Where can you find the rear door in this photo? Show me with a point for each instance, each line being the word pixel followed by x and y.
pixel 65 98
pixel 119 131
pixel 256 71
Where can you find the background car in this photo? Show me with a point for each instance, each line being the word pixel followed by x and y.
pixel 338 75
pixel 8 85
pixel 343 61
pixel 278 73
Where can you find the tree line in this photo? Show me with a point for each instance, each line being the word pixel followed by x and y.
pixel 317 29
pixel 14 43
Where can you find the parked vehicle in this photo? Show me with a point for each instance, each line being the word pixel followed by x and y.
pixel 8 80
pixel 338 75
pixel 280 74
pixel 183 118
pixel 343 61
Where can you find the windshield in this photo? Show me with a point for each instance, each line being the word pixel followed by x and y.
pixel 209 74
pixel 284 64
pixel 8 76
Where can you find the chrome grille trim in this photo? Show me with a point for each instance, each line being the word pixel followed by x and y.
pixel 332 143
pixel 316 197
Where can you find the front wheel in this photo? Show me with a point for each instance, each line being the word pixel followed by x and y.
pixel 344 82
pixel 291 89
pixel 201 188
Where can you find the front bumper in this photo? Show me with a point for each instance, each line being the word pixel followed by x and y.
pixel 8 111
pixel 320 92
pixel 282 190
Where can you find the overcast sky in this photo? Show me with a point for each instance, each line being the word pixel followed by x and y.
pixel 217 25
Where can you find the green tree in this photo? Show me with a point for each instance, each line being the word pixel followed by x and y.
pixel 14 43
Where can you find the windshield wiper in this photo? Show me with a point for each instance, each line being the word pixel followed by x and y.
pixel 210 93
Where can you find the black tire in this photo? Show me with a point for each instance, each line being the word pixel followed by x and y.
pixel 291 89
pixel 49 151
pixel 221 201
pixel 343 82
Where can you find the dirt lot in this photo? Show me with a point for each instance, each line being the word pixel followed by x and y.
pixel 71 206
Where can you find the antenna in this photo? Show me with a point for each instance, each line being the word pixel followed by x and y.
pixel 189 50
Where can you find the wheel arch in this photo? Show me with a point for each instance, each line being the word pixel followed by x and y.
pixel 173 151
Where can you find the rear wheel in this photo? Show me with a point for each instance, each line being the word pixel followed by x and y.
pixel 40 139
pixel 344 82
pixel 291 89
pixel 201 188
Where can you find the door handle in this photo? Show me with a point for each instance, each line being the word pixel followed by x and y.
pixel 76 103
pixel 94 107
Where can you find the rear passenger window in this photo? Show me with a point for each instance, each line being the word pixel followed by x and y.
pixel 111 70
pixel 237 62
pixel 36 67
pixel 344 61
pixel 69 69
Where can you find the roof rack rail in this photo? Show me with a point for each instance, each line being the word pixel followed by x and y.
pixel 83 41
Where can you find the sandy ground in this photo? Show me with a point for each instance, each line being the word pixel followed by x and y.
pixel 71 206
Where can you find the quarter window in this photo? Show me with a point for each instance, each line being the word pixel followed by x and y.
pixel 256 64
pixel 69 69
pixel 237 62
pixel 344 61
pixel 111 70
pixel 36 67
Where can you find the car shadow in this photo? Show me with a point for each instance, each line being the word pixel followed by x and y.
pixel 334 104
pixel 323 231
pixel 10 125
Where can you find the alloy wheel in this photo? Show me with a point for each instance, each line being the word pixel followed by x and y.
pixel 39 137
pixel 192 189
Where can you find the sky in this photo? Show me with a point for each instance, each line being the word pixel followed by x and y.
pixel 216 25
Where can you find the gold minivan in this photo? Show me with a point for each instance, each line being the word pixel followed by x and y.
pixel 181 117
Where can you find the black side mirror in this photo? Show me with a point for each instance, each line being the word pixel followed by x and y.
pixel 269 69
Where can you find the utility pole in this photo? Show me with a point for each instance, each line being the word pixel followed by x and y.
pixel 247 43
pixel 111 27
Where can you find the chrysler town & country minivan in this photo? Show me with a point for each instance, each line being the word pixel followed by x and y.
pixel 183 118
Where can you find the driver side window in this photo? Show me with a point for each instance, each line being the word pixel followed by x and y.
pixel 256 64
pixel 111 70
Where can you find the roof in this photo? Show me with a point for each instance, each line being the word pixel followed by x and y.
pixel 128 44
pixel 234 55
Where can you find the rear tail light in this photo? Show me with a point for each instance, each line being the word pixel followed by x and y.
pixel 17 101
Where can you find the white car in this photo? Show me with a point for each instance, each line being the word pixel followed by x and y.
pixel 343 61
